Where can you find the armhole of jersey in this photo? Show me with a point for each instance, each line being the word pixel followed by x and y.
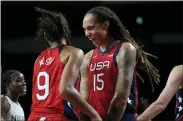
pixel 60 48
pixel 116 53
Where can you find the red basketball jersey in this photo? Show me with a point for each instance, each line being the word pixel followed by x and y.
pixel 45 84
pixel 103 74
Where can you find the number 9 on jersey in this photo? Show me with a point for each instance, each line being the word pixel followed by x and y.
pixel 44 87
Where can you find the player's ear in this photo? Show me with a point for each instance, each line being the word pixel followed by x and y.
pixel 106 25
pixel 8 85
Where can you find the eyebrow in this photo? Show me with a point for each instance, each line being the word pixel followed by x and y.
pixel 90 26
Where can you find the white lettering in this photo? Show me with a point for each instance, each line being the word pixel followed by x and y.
pixel 41 62
pixel 48 61
pixel 17 118
pixel 99 65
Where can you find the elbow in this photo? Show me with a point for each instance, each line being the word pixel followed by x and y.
pixel 64 91
pixel 160 105
pixel 120 102
pixel 123 102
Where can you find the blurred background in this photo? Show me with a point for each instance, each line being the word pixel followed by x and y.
pixel 156 25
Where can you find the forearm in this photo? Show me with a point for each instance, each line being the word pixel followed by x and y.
pixel 116 109
pixel 153 110
pixel 82 116
pixel 72 95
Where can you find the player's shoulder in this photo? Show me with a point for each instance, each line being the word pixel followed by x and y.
pixel 128 46
pixel 90 53
pixel 5 105
pixel 3 98
pixel 74 50
pixel 176 73
pixel 178 68
pixel 4 101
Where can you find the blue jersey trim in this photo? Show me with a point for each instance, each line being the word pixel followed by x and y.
pixel 69 111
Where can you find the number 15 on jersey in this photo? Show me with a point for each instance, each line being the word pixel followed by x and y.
pixel 97 80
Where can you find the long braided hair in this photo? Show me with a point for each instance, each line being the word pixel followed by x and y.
pixel 53 26
pixel 118 32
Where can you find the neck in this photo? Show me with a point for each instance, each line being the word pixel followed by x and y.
pixel 13 96
pixel 107 44
pixel 53 44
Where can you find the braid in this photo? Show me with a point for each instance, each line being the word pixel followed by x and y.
pixel 142 60
pixel 118 31
pixel 54 25
pixel 6 77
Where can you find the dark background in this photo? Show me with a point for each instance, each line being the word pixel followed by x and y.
pixel 18 25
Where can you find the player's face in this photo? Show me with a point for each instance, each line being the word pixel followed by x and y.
pixel 94 31
pixel 17 84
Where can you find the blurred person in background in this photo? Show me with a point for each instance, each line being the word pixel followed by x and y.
pixel 13 86
pixel 173 86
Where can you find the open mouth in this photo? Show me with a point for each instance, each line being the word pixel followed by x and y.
pixel 93 41
pixel 24 89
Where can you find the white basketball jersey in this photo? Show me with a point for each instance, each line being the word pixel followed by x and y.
pixel 15 112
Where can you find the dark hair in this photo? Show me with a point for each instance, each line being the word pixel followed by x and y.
pixel 118 32
pixel 6 78
pixel 54 25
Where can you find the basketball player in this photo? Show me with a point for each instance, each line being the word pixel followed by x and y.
pixel 108 73
pixel 55 73
pixel 13 86
pixel 174 85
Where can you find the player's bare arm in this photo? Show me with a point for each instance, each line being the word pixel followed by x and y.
pixel 84 83
pixel 126 61
pixel 5 106
pixel 67 89
pixel 174 81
